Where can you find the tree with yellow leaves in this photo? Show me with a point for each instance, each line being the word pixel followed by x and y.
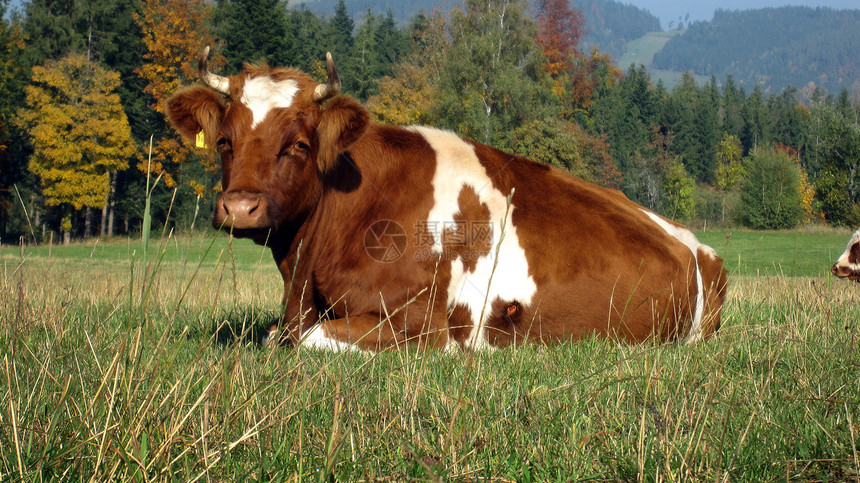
pixel 79 132
pixel 175 32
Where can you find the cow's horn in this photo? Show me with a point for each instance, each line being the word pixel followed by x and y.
pixel 214 81
pixel 332 88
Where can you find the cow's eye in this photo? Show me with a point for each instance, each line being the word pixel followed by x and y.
pixel 223 145
pixel 299 148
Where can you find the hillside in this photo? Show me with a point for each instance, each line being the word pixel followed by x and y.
pixel 612 24
pixel 642 51
pixel 772 47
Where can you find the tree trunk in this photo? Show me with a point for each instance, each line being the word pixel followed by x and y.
pixel 88 221
pixel 112 203
pixel 66 225
pixel 111 212
pixel 103 224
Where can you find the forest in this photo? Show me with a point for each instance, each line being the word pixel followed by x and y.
pixel 611 24
pixel 773 47
pixel 83 85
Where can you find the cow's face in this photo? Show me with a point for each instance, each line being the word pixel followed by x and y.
pixel 277 135
pixel 848 264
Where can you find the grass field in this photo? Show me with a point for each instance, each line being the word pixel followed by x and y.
pixel 113 371
pixel 642 50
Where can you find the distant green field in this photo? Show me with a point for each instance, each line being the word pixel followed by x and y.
pixel 642 50
pixel 746 252
pixel 783 253
pixel 205 250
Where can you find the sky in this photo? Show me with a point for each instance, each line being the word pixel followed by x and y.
pixel 670 11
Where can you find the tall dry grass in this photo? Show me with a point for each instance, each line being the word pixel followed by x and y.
pixel 114 372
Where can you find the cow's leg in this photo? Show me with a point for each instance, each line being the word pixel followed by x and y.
pixel 299 311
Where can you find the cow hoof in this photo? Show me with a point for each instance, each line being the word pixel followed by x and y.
pixel 452 347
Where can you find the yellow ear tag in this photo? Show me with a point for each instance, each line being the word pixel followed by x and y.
pixel 200 141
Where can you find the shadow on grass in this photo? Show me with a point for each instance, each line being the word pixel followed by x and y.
pixel 241 326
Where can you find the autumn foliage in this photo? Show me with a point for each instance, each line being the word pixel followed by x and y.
pixel 79 131
pixel 576 74
pixel 560 30
pixel 174 32
pixel 408 96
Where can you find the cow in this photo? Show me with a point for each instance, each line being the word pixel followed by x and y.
pixel 848 264
pixel 388 236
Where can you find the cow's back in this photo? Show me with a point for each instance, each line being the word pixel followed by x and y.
pixel 575 259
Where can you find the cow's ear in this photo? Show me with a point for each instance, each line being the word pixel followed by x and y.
pixel 854 253
pixel 196 109
pixel 342 123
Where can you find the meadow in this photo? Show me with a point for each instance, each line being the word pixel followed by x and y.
pixel 117 367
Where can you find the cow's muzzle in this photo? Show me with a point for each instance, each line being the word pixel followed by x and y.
pixel 239 210
pixel 845 272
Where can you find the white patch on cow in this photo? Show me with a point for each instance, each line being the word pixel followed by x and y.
pixel 452 346
pixel 318 339
pixel 262 94
pixel 843 259
pixel 710 251
pixel 269 335
pixel 687 237
pixel 457 166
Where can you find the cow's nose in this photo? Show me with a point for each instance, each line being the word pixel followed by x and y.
pixel 834 270
pixel 241 210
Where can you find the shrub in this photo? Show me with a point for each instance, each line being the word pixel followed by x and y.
pixel 771 192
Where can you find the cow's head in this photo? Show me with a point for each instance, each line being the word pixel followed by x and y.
pixel 278 132
pixel 848 264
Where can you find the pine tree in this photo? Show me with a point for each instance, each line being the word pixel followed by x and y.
pixel 50 29
pixel 622 113
pixel 732 108
pixel 339 37
pixel 254 31
pixel 700 161
pixel 366 63
pixel 757 121
pixel 410 94
pixel 307 30
pixel 379 45
pixel 392 44
pixel 13 78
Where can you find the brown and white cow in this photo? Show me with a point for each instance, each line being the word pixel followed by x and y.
pixel 389 235
pixel 848 264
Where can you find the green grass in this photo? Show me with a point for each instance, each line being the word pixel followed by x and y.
pixel 642 50
pixel 784 253
pixel 99 382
